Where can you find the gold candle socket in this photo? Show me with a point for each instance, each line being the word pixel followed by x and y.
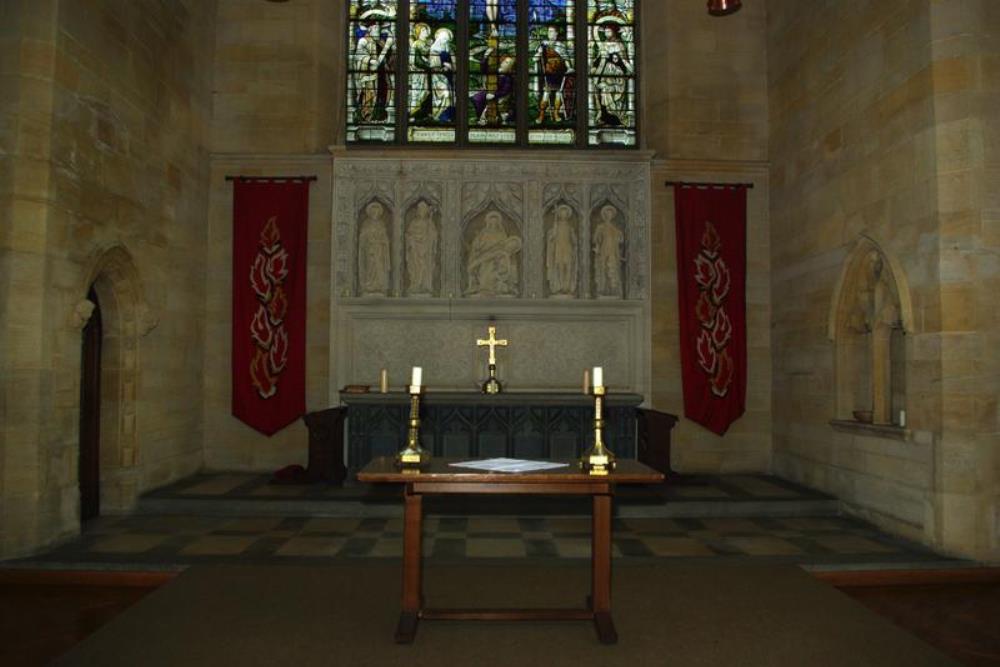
pixel 492 384
pixel 598 460
pixel 413 456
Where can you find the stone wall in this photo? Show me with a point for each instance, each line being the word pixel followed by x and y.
pixel 104 179
pixel 876 137
pixel 705 81
pixel 278 106
pixel 965 66
pixel 988 272
pixel 278 77
pixel 229 444
pixel 746 446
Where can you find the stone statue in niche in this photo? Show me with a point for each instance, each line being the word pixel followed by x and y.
pixel 878 309
pixel 492 259
pixel 373 252
pixel 421 243
pixel 608 240
pixel 561 264
pixel 877 295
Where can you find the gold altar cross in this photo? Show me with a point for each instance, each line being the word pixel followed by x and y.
pixel 492 342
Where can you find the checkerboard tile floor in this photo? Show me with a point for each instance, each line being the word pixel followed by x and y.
pixel 183 525
pixel 183 540
pixel 248 486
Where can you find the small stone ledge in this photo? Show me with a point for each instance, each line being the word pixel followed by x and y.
pixel 889 431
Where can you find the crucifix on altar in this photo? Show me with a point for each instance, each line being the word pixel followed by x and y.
pixel 492 384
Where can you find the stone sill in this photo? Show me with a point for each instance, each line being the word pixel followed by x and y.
pixel 502 153
pixel 889 431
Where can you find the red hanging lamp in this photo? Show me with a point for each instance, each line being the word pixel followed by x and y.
pixel 723 7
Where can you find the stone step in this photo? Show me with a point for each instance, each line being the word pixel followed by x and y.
pixel 471 507
pixel 245 494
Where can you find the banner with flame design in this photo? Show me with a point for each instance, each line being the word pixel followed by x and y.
pixel 711 279
pixel 270 222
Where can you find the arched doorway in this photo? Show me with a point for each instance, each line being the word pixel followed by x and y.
pixel 109 415
pixel 90 414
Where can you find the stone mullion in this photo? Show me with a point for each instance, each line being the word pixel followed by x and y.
pixel 402 86
pixel 582 67
pixel 523 83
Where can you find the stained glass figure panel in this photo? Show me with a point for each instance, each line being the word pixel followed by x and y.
pixel 493 11
pixel 431 71
pixel 611 72
pixel 371 78
pixel 552 85
pixel 390 99
pixel 493 81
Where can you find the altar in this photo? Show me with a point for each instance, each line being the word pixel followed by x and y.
pixel 533 425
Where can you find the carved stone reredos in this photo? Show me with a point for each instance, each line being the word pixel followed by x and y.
pixel 554 335
pixel 524 192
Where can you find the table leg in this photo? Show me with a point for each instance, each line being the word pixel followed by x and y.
pixel 600 596
pixel 412 598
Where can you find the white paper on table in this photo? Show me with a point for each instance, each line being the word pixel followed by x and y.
pixel 508 465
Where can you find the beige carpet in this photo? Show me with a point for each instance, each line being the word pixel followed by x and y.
pixel 678 615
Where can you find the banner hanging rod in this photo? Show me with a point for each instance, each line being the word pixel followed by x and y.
pixel 748 186
pixel 270 178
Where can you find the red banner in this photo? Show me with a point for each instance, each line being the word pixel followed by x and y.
pixel 711 283
pixel 270 221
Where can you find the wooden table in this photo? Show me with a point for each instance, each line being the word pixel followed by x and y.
pixel 440 478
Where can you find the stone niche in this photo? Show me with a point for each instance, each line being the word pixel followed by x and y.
pixel 426 251
pixel 868 325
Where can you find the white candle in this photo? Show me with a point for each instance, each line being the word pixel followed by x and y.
pixel 902 417
pixel 417 376
pixel 598 376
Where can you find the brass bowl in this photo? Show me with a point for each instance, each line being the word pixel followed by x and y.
pixel 863 416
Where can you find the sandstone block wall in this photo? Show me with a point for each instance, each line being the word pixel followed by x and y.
pixel 706 117
pixel 746 446
pixel 104 134
pixel 877 130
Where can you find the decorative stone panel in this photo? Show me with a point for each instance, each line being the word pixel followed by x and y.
pixel 480 239
pixel 462 193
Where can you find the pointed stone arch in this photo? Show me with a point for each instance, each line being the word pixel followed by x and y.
pixel 126 318
pixel 870 313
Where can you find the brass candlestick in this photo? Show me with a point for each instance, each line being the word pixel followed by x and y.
pixel 413 456
pixel 492 384
pixel 598 460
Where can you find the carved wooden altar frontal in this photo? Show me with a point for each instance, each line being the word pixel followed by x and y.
pixel 470 426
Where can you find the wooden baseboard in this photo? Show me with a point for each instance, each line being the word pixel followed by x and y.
pixel 910 577
pixel 123 579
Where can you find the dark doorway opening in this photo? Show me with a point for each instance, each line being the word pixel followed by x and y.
pixel 90 415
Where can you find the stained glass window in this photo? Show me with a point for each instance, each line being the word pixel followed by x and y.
pixel 492 72
pixel 432 72
pixel 611 109
pixel 552 89
pixel 371 76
